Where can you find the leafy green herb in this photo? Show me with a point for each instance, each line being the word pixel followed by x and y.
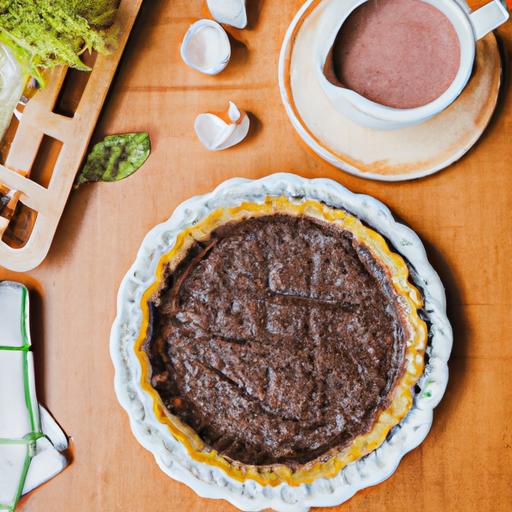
pixel 115 157
pixel 46 33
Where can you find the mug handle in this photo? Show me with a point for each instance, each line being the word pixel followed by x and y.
pixel 488 17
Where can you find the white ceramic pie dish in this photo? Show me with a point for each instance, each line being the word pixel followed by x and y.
pixel 212 482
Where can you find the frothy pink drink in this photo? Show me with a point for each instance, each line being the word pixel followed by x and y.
pixel 399 53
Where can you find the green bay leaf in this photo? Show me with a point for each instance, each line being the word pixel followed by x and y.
pixel 115 157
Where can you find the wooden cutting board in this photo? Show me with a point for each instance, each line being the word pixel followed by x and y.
pixel 44 154
pixel 462 214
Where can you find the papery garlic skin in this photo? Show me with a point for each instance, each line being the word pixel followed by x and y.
pixel 229 12
pixel 216 134
pixel 206 47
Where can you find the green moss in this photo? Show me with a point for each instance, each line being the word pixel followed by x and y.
pixel 46 33
pixel 97 13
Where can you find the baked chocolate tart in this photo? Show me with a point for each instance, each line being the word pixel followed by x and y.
pixel 281 340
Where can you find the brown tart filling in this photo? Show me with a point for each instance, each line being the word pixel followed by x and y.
pixel 277 340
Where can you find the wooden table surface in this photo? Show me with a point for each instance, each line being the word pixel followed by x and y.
pixel 463 215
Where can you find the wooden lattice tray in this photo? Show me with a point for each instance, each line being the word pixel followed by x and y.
pixel 46 149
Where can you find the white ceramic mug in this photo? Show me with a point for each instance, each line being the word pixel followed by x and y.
pixel 469 27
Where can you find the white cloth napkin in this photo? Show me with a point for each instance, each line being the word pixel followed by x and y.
pixel 31 441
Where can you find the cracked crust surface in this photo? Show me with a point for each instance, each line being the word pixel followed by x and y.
pixel 277 339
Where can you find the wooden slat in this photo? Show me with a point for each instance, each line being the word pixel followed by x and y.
pixel 34 195
pixel 47 96
pixel 3 225
pixel 24 147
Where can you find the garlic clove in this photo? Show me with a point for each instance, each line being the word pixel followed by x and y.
pixel 206 47
pixel 229 12
pixel 221 132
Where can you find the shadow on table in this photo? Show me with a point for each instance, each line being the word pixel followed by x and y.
pixel 461 331
pixel 37 334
